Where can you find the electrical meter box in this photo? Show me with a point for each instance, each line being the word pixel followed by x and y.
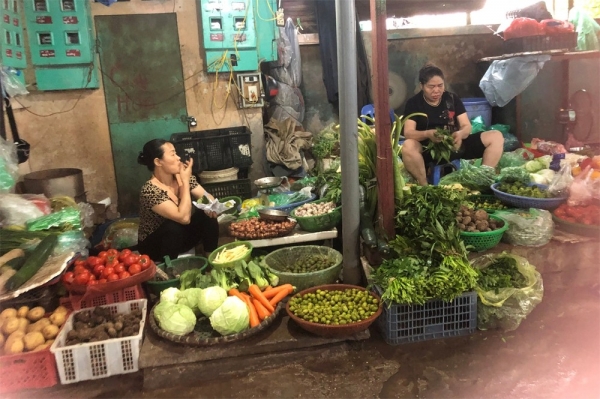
pixel 238 34
pixel 62 44
pixel 12 41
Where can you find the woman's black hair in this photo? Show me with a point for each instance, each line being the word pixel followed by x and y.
pixel 428 72
pixel 152 150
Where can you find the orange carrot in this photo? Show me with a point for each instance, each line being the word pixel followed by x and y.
pixel 233 291
pixel 257 294
pixel 252 312
pixel 274 291
pixel 260 309
pixel 267 288
pixel 280 295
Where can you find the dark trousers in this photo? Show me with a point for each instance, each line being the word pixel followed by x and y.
pixel 173 238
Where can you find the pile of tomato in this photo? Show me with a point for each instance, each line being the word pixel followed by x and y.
pixel 108 266
pixel 589 214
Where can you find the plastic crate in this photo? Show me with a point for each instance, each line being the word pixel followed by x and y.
pixel 77 302
pixel 435 319
pixel 559 41
pixel 101 359
pixel 239 188
pixel 29 370
pixel 215 149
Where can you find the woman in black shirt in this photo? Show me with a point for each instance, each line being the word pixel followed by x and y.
pixel 446 110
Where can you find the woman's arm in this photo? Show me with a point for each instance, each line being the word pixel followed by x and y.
pixel 464 131
pixel 199 191
pixel 181 213
pixel 411 132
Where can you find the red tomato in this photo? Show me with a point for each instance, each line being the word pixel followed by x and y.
pixel 145 262
pixel 108 271
pixel 92 277
pixel 103 255
pixel 124 254
pixel 102 281
pixel 123 275
pixel 80 262
pixel 135 269
pixel 80 269
pixel 68 277
pixel 112 252
pixel 83 278
pixel 98 269
pixel 120 268
pixel 112 262
pixel 92 282
pixel 131 259
pixel 113 277
pixel 92 261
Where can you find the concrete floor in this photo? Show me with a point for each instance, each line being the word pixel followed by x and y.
pixel 555 353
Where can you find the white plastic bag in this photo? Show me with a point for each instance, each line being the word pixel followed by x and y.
pixel 16 210
pixel 215 206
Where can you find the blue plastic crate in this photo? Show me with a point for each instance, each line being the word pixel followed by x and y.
pixel 401 324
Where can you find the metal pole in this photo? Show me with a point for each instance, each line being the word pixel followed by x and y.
pixel 345 16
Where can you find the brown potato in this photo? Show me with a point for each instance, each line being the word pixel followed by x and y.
pixel 6 313
pixel 10 325
pixel 36 314
pixel 58 319
pixel 39 325
pixel 50 332
pixel 22 312
pixel 33 339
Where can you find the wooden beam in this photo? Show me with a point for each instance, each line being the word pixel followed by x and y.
pixel 385 174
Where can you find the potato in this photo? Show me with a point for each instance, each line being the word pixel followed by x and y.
pixel 61 309
pixel 10 325
pixel 36 313
pixel 58 319
pixel 39 325
pixel 6 313
pixel 2 340
pixel 14 343
pixel 50 332
pixel 22 312
pixel 33 339
pixel 23 323
pixel 43 346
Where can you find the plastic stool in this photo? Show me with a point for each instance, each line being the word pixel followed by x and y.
pixel 369 110
pixel 435 173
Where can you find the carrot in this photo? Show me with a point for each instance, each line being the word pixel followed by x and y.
pixel 280 295
pixel 254 321
pixel 285 287
pixel 257 294
pixel 260 309
pixel 267 288
pixel 233 291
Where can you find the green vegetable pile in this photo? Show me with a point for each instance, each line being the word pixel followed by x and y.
pixel 442 150
pixel 487 203
pixel 522 190
pixel 312 263
pixel 335 307
pixel 431 258
pixel 502 273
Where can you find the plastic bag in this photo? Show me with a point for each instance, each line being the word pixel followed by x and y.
pixel 249 213
pixel 547 147
pixel 64 220
pixel 215 205
pixel 477 125
pixel 514 174
pixel 16 210
pixel 87 214
pixel 41 201
pixel 508 307
pixel 580 191
pixel 73 241
pixel 521 27
pixel 9 165
pixel 511 142
pixel 11 83
pixel 559 187
pixel 304 182
pixel 517 157
pixel 530 228
pixel 471 176
pixel 120 234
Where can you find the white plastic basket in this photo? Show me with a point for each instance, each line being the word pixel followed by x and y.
pixel 101 359
pixel 217 176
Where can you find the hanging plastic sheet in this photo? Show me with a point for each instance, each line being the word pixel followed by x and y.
pixel 505 79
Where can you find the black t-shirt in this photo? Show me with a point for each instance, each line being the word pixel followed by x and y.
pixel 444 115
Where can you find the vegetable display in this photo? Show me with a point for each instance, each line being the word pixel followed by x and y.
pixel 256 228
pixel 522 190
pixel 309 264
pixel 311 209
pixel 231 254
pixel 476 221
pixel 335 307
pixel 501 273
pixel 28 330
pixel 589 214
pixel 99 324
pixel 488 203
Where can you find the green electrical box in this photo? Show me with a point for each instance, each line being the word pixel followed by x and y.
pixel 62 44
pixel 12 41
pixel 238 34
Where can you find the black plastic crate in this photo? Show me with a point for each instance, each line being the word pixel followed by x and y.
pixel 559 41
pixel 216 149
pixel 239 188
pixel 435 319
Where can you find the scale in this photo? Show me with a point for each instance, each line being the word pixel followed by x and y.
pixel 266 185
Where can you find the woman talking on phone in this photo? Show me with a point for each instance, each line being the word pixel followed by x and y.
pixel 168 223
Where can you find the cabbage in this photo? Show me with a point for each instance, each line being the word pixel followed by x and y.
pixel 534 166
pixel 189 298
pixel 170 295
pixel 210 299
pixel 175 318
pixel 544 176
pixel 231 317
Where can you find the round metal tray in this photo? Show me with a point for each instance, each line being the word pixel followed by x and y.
pixel 268 182
pixel 273 215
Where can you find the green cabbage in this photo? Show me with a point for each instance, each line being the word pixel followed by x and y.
pixel 190 298
pixel 170 295
pixel 210 299
pixel 534 166
pixel 175 318
pixel 231 317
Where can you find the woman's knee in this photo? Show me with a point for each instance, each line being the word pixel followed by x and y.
pixel 492 137
pixel 411 147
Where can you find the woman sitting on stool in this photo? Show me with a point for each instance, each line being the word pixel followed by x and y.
pixel 446 110
pixel 167 224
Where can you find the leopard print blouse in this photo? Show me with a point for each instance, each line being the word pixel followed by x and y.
pixel 150 196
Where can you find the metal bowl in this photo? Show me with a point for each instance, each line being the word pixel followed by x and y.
pixel 268 182
pixel 274 215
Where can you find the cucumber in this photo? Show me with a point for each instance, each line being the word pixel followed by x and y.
pixel 382 246
pixel 34 262
pixel 366 229
pixel 16 263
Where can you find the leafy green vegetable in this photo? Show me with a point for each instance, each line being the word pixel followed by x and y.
pixel 224 278
pixel 209 299
pixel 175 318
pixel 441 151
pixel 502 273
pixel 231 317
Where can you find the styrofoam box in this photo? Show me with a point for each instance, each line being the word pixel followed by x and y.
pixel 90 361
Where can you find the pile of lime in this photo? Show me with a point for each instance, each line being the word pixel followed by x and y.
pixel 488 203
pixel 309 264
pixel 335 307
pixel 522 190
